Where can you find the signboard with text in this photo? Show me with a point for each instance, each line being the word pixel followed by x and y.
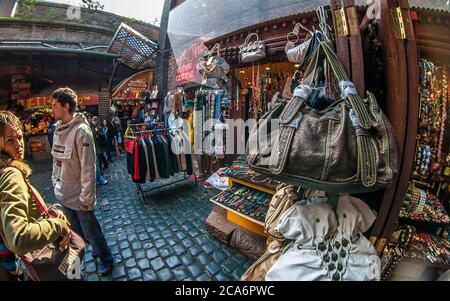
pixel 189 62
pixel 46 102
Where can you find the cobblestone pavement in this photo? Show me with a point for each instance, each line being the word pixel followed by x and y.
pixel 164 238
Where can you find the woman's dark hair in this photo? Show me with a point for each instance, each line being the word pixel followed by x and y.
pixel 66 95
pixel 7 118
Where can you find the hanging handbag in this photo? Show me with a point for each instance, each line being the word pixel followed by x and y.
pixel 50 263
pixel 296 54
pixel 282 200
pixel 252 51
pixel 348 147
pixel 215 66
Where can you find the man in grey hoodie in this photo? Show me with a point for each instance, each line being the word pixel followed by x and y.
pixel 74 173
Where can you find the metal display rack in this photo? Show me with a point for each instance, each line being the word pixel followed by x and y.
pixel 140 189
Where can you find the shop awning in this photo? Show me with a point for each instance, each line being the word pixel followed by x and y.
pixel 39 48
pixel 134 49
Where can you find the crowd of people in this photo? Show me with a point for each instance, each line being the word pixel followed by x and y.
pixel 77 142
pixel 108 137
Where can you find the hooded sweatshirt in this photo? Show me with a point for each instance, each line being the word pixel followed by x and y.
pixel 74 166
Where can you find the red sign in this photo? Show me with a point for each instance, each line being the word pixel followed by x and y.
pixel 44 101
pixel 88 100
pixel 189 62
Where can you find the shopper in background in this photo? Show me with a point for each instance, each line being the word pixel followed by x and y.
pixel 20 230
pixel 73 174
pixel 51 131
pixel 118 138
pixel 98 175
pixel 108 131
pixel 100 142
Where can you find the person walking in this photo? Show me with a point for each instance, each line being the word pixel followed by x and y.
pixel 73 177
pixel 100 142
pixel 21 229
pixel 110 134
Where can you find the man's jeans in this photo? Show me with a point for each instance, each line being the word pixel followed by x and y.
pixel 97 172
pixel 85 224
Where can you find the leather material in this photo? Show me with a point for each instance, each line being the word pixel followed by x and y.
pixel 323 150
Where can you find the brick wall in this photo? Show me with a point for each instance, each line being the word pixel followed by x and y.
pixel 172 74
pixel 58 12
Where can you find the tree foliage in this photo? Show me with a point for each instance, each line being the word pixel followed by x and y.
pixel 92 4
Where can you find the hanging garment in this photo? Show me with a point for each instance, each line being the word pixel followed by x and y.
pixel 172 156
pixel 328 245
pixel 136 163
pixel 129 147
pixel 147 161
pixel 160 156
pixel 165 158
pixel 142 162
pixel 218 105
pixel 168 151
pixel 187 154
pixel 181 156
pixel 168 104
pixel 151 162
pixel 157 177
pixel 177 103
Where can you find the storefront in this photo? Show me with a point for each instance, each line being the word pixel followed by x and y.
pixel 26 87
pixel 386 55
pixel 136 93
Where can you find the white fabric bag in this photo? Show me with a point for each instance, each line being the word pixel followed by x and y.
pixel 296 54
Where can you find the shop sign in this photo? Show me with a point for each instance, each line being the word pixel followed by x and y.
pixel 46 102
pixel 189 62
pixel 36 147
pixel 88 100
pixel 138 84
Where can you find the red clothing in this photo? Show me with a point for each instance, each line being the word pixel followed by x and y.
pixel 136 175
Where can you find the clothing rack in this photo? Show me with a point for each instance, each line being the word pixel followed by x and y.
pixel 142 191
pixel 146 124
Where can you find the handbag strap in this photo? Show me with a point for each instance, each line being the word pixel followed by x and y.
pixel 216 48
pixel 247 40
pixel 37 200
pixel 367 155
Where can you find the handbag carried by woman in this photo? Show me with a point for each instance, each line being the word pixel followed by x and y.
pixel 51 263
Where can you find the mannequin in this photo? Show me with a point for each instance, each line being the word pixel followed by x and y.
pixel 155 92
pixel 167 108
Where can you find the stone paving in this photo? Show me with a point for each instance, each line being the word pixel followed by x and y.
pixel 163 238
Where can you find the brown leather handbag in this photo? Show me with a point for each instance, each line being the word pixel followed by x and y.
pixel 348 147
pixel 258 270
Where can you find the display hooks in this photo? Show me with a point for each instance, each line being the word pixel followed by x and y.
pixel 142 191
